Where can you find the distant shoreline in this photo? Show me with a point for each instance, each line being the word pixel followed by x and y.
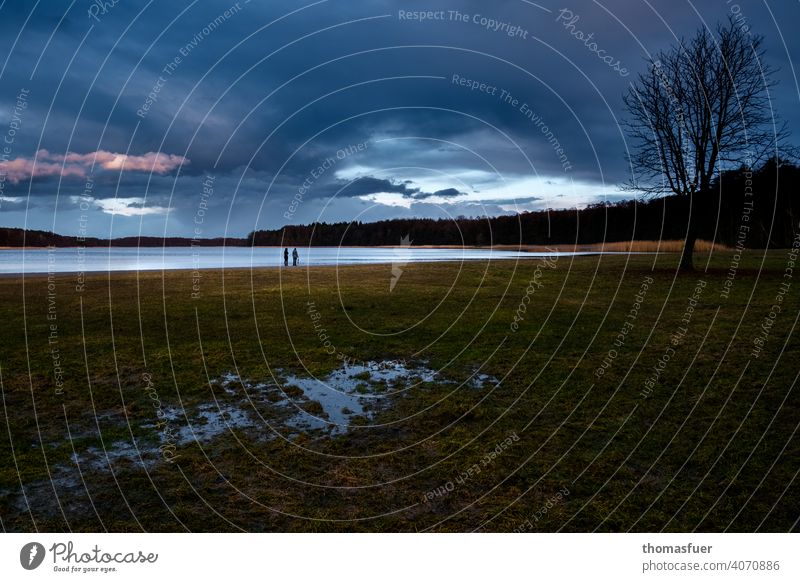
pixel 642 246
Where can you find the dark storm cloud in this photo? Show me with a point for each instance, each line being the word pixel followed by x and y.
pixel 368 185
pixel 529 199
pixel 509 102
pixel 446 193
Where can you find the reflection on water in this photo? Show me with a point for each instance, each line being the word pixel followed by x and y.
pixel 73 260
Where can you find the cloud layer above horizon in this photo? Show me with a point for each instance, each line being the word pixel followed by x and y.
pixel 141 118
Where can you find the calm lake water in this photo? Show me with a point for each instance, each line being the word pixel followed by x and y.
pixel 70 260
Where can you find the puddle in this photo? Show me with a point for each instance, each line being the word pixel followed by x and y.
pixel 209 421
pixel 228 381
pixel 44 496
pixel 349 392
pixel 348 398
pixel 95 458
pixel 328 406
pixel 480 381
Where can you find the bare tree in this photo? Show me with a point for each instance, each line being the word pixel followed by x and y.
pixel 702 106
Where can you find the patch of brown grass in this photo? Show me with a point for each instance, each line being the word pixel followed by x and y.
pixel 635 246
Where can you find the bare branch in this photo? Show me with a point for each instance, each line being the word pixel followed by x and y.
pixel 701 107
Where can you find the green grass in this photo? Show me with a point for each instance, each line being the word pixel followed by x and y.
pixel 712 448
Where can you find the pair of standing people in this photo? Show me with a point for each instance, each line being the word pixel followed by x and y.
pixel 295 257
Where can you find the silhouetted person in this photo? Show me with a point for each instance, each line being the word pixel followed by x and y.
pixel 295 256
pixel 286 257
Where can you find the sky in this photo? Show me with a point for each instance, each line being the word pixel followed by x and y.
pixel 207 118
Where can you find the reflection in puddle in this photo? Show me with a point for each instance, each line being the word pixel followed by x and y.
pixel 209 421
pixel 95 458
pixel 347 397
pixel 349 392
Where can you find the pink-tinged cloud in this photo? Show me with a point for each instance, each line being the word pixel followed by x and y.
pixel 45 164
pixel 23 168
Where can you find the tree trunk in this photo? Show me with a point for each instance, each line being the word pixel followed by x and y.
pixel 687 264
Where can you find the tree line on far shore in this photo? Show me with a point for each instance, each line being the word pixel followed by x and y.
pixel 751 209
pixel 18 237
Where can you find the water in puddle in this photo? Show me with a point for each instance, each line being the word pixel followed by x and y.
pixel 349 392
pixel 209 421
pixel 328 404
pixel 96 458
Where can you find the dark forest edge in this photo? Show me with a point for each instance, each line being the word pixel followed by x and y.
pixel 744 209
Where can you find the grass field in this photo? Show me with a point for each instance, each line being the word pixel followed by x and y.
pixel 536 420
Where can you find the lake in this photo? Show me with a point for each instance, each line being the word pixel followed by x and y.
pixel 70 260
